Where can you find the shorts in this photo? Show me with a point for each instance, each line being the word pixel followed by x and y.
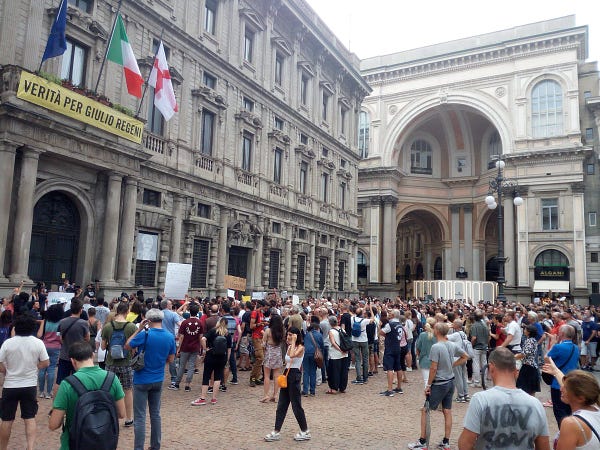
pixel 244 345
pixel 64 369
pixel 371 349
pixel 392 361
pixel 376 347
pixel 441 393
pixel 124 374
pixel 25 396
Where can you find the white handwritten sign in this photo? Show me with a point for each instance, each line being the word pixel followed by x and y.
pixel 177 280
pixel 258 295
pixel 56 298
pixel 295 299
pixel 230 293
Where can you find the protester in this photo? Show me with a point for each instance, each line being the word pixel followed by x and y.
pixel 159 349
pixel 257 325
pixel 272 340
pixel 291 393
pixel 492 420
pixel 170 322
pixel 479 334
pixel 360 345
pixel 339 361
pixel 20 359
pixel 394 351
pixel 188 348
pixel 312 341
pixel 92 377
pixel 459 337
pixel 423 347
pixel 529 376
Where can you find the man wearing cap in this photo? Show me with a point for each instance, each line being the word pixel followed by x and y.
pixel 159 349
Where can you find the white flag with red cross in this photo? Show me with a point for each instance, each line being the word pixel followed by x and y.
pixel 160 79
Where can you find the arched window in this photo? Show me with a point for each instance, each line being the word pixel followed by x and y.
pixel 547 109
pixel 420 157
pixel 364 123
pixel 494 149
pixel 551 258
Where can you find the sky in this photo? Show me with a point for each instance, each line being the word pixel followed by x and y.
pixel 379 27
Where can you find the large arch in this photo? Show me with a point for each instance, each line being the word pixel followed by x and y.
pixel 83 202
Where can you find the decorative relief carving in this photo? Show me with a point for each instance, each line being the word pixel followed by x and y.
pixel 211 96
pixel 344 174
pixel 243 233
pixel 305 151
pixel 500 91
pixel 327 163
pixel 249 118
pixel 279 136
pixel 392 110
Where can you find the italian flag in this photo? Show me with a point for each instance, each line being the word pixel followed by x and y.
pixel 120 52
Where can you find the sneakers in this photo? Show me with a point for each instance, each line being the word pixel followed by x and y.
pixel 210 389
pixel 443 446
pixel 213 401
pixel 418 445
pixel 187 389
pixel 273 436
pixel 128 423
pixel 252 382
pixel 173 387
pixel 358 382
pixel 409 369
pixel 352 367
pixel 460 400
pixel 398 391
pixel 387 393
pixel 233 382
pixel 199 402
pixel 42 395
pixel 302 436
pixel 48 395
pixel 466 398
pixel 259 382
pixel 223 388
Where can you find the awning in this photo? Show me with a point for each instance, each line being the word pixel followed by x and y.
pixel 551 285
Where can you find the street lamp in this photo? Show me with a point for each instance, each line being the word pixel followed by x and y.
pixel 498 185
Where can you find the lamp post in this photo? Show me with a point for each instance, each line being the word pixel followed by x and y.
pixel 498 185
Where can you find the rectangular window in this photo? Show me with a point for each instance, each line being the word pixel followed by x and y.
pixel 302 234
pixel 325 187
pixel 248 104
pixel 594 257
pixel 587 94
pixel 278 68
pixel 276 227
pixel 324 239
pixel 84 5
pixel 592 219
pixel 208 126
pixel 74 61
pixel 151 198
pixel 208 80
pixel 589 134
pixel 342 204
pixel 343 163
pixel 301 274
pixel 341 270
pixel 277 166
pixel 590 168
pixel 203 210
pixel 325 152
pixel 279 123
pixel 274 269
pixel 155 118
pixel 303 139
pixel 322 273
pixel 325 106
pixel 199 277
pixel 247 151
pixel 342 243
pixel 549 214
pixel 248 45
pixel 595 287
pixel 146 256
pixel 343 115
pixel 303 176
pixel 210 15
pixel 304 89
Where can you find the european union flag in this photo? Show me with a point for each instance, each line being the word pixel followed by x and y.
pixel 57 41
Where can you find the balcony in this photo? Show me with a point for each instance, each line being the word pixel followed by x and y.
pixel 155 143
pixel 278 190
pixel 205 162
pixel 244 177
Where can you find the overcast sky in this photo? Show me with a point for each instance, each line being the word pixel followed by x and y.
pixel 379 27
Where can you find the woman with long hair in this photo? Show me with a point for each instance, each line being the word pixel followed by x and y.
pixel 423 346
pixel 272 363
pixel 216 345
pixel 529 377
pixel 291 393
pixel 312 341
pixel 581 391
pixel 48 333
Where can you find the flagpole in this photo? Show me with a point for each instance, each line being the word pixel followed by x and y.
pixel 150 73
pixel 112 33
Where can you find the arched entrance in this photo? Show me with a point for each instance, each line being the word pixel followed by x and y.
pixel 54 239
pixel 551 273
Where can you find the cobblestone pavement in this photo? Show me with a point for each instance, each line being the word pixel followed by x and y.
pixel 359 419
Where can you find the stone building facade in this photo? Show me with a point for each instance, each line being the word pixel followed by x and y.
pixel 430 134
pixel 255 176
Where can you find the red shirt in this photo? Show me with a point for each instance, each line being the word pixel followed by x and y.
pixel 257 332
pixel 190 329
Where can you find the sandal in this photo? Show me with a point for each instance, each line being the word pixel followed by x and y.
pixel 272 399
pixel 264 400
pixel 331 392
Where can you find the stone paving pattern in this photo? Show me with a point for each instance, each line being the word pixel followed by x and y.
pixel 359 419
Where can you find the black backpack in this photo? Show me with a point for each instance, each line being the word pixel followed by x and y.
pixel 219 346
pixel 95 423
pixel 345 340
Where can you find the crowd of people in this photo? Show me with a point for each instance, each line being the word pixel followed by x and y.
pixel 291 348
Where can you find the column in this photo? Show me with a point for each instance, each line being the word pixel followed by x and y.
pixel 7 166
pixel 468 240
pixel 176 230
pixel 287 281
pixel 389 242
pixel 523 241
pixel 509 241
pixel 311 272
pixel 222 255
pixel 374 245
pixel 127 231
pixel 111 232
pixel 455 249
pixel 352 279
pixel 24 215
pixel 258 257
pixel 332 284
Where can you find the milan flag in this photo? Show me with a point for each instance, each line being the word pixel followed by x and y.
pixel 160 79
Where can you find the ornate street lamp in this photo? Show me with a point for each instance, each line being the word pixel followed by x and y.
pixel 499 185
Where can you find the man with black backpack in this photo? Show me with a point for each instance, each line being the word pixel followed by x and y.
pixel 89 403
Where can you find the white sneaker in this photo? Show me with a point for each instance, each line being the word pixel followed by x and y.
pixel 352 366
pixel 409 369
pixel 42 394
pixel 273 436
pixel 417 445
pixel 303 436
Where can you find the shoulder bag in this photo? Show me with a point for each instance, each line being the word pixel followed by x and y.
pixel 282 379
pixel 137 360
pixel 318 355
pixel 584 420
pixel 548 378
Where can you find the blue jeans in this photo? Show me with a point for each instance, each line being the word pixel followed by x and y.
pixel 232 365
pixel 49 372
pixel 146 394
pixel 325 364
pixel 361 359
pixel 309 375
pixel 173 370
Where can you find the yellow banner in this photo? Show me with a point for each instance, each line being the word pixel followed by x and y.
pixel 56 98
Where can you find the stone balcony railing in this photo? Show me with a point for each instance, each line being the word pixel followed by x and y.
pixel 205 162
pixel 155 143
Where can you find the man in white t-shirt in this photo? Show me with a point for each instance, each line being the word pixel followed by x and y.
pixel 360 345
pixel 513 333
pixel 20 359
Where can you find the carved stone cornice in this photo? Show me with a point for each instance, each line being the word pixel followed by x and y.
pixel 279 136
pixel 304 151
pixel 249 118
pixel 343 173
pixel 210 96
pixel 534 157
pixel 390 174
pixel 462 181
pixel 327 163
pixel 147 63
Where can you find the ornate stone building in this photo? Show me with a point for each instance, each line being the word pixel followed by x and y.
pixel 255 177
pixel 430 134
